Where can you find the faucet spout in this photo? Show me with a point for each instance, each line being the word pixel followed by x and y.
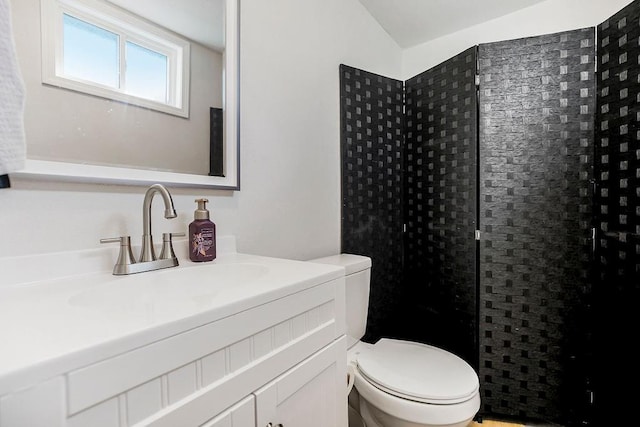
pixel 147 252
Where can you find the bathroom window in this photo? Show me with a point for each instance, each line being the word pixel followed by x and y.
pixel 93 47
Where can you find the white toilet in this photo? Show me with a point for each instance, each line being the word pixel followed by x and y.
pixel 400 383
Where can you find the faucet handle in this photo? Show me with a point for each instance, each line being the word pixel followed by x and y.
pixel 125 257
pixel 167 245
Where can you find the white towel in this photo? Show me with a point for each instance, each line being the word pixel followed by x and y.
pixel 12 142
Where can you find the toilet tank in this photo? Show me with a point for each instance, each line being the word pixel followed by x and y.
pixel 357 278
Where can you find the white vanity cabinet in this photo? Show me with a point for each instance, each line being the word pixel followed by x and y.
pixel 307 395
pixel 282 361
pixel 241 414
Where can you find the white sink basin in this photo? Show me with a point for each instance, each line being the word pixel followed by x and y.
pixel 71 311
pixel 171 290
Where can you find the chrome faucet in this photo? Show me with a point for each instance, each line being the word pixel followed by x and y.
pixel 147 253
pixel 147 261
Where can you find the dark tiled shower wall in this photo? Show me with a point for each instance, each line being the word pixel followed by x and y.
pixel 536 139
pixel 372 133
pixel 617 171
pixel 536 145
pixel 440 207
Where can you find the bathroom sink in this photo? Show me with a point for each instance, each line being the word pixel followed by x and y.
pixel 170 290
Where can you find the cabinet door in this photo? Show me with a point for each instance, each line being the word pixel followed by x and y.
pixel 312 394
pixel 240 415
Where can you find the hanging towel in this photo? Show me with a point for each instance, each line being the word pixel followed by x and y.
pixel 12 140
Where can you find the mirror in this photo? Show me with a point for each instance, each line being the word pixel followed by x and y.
pixel 89 137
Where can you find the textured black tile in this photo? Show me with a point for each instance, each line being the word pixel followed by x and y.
pixel 440 205
pixel 617 159
pixel 617 210
pixel 535 208
pixel 372 133
pixel 536 137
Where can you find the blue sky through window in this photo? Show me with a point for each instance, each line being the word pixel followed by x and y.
pixel 146 75
pixel 90 52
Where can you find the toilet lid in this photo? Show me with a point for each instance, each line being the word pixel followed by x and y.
pixel 418 372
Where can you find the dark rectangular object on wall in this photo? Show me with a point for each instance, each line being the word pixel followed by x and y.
pixel 440 206
pixel 536 147
pixel 4 181
pixel 617 173
pixel 371 137
pixel 216 142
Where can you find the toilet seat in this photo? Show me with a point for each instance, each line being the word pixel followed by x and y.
pixel 418 372
pixel 380 402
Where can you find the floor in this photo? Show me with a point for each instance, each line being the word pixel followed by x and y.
pixel 492 423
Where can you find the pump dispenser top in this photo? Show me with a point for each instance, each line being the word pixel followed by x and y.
pixel 201 212
pixel 202 234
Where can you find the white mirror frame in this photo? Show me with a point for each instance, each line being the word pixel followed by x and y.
pixel 45 170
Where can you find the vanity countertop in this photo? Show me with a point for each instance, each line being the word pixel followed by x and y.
pixel 50 326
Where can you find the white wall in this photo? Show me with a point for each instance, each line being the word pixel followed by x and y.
pixel 550 16
pixel 291 51
pixel 289 204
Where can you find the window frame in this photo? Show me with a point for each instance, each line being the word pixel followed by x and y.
pixel 130 28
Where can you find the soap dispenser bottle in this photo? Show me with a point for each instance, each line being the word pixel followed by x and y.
pixel 202 234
